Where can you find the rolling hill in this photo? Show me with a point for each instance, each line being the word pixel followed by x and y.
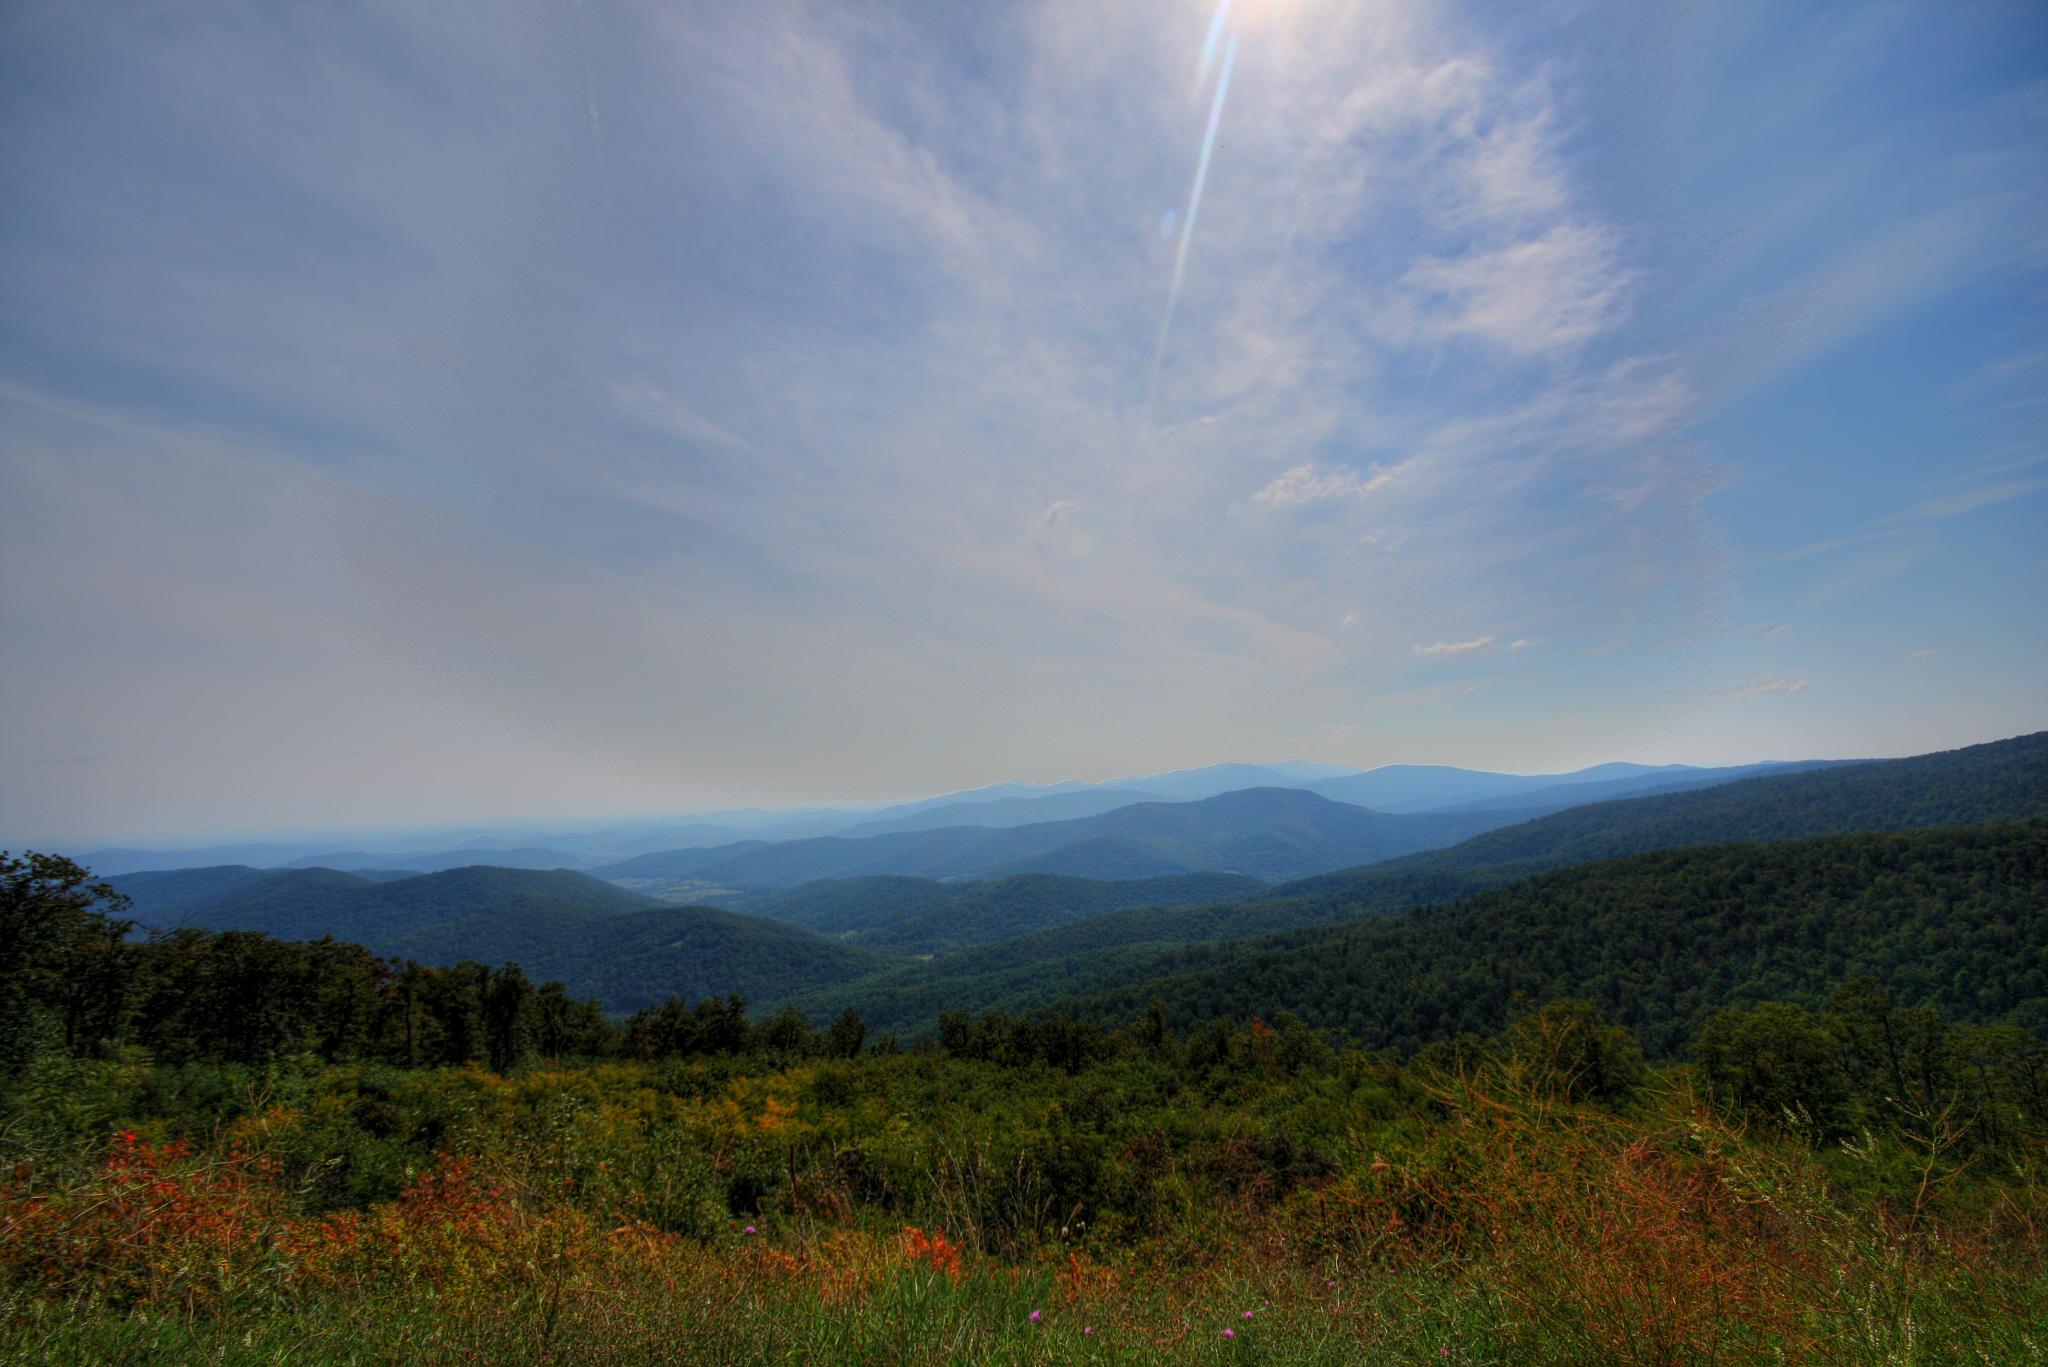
pixel 598 939
pixel 1954 919
pixel 2001 781
pixel 1266 833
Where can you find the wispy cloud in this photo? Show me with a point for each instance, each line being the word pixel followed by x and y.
pixel 1456 647
pixel 722 339
pixel 1982 496
pixel 1552 293
pixel 1315 484
pixel 1751 690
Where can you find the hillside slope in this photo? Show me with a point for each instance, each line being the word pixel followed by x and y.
pixel 2004 780
pixel 599 940
pixel 1952 919
pixel 919 916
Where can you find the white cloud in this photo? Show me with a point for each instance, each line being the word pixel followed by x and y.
pixel 1775 633
pixel 1546 294
pixel 1454 647
pixel 1316 484
pixel 875 308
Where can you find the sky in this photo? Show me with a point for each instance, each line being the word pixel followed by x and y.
pixel 457 412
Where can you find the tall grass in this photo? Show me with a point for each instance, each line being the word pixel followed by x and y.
pixel 580 1217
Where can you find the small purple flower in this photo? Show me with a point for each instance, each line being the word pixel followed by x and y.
pixel 750 1229
pixel 1230 1333
pixel 1085 1332
pixel 1035 1314
pixel 1247 1314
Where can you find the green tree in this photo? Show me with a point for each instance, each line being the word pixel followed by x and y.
pixel 846 1034
pixel 508 1010
pixel 1568 1051
pixel 60 938
pixel 1780 1062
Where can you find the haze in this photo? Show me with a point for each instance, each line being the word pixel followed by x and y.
pixel 437 413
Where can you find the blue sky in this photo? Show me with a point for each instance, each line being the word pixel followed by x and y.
pixel 441 412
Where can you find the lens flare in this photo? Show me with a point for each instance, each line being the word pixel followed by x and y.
pixel 1219 27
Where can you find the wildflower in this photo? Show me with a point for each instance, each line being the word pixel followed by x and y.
pixel 1085 1332
pixel 1035 1314
pixel 750 1229
pixel 1230 1333
pixel 1247 1314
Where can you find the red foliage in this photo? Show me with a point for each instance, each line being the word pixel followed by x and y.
pixel 154 1224
pixel 932 1250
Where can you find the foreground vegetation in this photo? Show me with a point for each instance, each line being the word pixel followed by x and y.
pixel 1539 1198
pixel 224 1147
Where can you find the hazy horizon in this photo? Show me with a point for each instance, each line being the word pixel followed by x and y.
pixel 419 416
pixel 422 834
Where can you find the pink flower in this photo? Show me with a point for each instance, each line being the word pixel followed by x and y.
pixel 1087 1331
pixel 1034 1316
pixel 1230 1333
pixel 750 1229
pixel 1247 1314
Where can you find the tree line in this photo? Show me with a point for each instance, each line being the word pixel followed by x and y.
pixel 75 980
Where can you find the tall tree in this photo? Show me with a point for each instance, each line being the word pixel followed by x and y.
pixel 53 919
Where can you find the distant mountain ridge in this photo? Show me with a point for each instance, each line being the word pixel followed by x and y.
pixel 1007 811
pixel 1394 788
pixel 437 861
pixel 1266 833
pixel 2000 781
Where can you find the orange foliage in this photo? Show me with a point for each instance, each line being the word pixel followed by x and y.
pixel 1084 1281
pixel 155 1225
pixel 932 1250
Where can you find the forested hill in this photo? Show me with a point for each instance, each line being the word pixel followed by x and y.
pixel 1956 920
pixel 2003 781
pixel 641 958
pixel 919 916
pixel 598 940
pixel 304 904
